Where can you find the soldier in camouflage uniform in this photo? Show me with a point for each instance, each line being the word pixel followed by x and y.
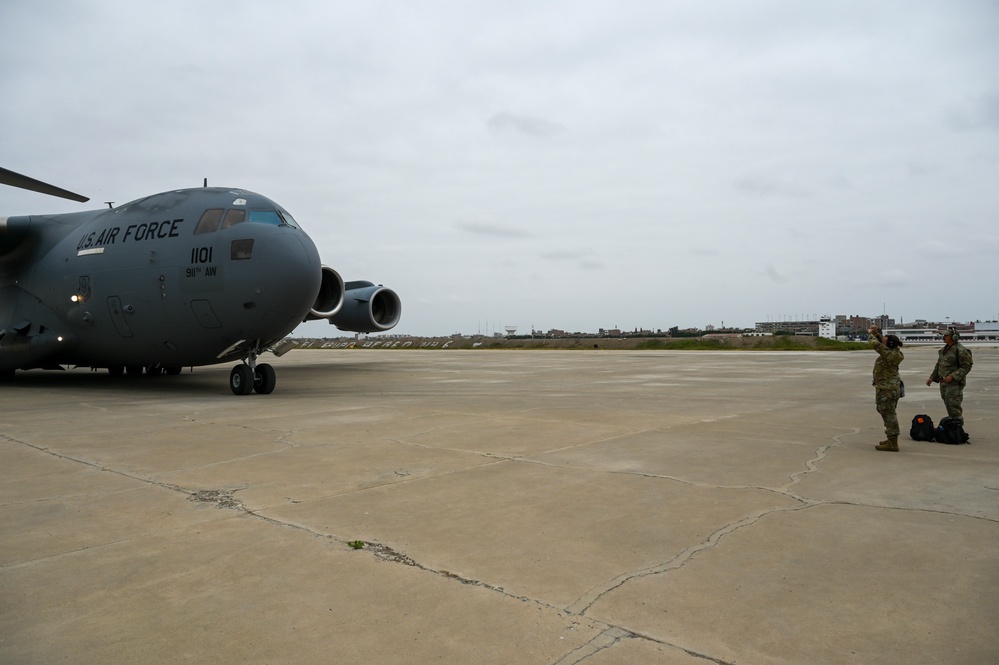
pixel 887 383
pixel 953 364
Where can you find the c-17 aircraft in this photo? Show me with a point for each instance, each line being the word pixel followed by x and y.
pixel 179 279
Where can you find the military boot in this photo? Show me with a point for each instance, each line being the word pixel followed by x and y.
pixel 891 444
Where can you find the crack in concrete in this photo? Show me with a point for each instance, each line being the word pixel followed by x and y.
pixel 390 555
pixel 92 465
pixel 689 652
pixel 587 600
pixel 821 453
pixel 602 641
pixel 607 638
pixel 615 634
pixel 221 499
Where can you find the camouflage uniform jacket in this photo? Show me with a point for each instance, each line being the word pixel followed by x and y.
pixel 955 361
pixel 886 366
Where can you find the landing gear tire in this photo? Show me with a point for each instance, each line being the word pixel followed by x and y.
pixel 154 370
pixel 116 370
pixel 133 370
pixel 172 371
pixel 264 379
pixel 241 380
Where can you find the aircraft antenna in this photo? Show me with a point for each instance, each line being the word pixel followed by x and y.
pixel 206 182
pixel 110 204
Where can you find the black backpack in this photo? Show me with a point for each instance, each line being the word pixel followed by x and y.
pixel 951 432
pixel 922 428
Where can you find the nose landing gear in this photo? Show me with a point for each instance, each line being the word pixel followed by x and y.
pixel 264 379
pixel 249 376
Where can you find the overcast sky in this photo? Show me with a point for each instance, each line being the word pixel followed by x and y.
pixel 575 165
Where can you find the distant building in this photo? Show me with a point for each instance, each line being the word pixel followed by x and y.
pixel 827 327
pixel 793 327
pixel 853 324
pixel 840 324
pixel 979 332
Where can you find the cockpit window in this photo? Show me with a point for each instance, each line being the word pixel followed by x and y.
pixel 265 217
pixel 288 219
pixel 215 219
pixel 209 221
pixel 275 217
pixel 233 217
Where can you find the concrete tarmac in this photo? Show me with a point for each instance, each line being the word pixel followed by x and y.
pixel 550 507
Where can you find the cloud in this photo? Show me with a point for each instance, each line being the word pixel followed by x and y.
pixel 672 138
pixel 894 277
pixel 505 122
pixel 775 276
pixel 761 185
pixel 938 250
pixel 491 229
pixel 564 255
pixel 980 113
pixel 583 259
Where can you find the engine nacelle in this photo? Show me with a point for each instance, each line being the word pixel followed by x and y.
pixel 330 298
pixel 368 308
pixel 14 251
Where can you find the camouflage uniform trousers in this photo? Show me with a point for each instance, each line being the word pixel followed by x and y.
pixel 953 394
pixel 887 400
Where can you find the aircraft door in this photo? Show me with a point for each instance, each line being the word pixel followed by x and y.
pixel 203 311
pixel 118 316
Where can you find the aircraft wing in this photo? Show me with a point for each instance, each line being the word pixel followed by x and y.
pixel 8 177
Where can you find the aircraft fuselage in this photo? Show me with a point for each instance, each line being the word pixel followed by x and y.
pixel 187 277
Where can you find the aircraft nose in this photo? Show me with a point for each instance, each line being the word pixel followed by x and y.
pixel 290 270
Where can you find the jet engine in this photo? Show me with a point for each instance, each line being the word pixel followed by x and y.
pixel 16 243
pixel 368 308
pixel 330 298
